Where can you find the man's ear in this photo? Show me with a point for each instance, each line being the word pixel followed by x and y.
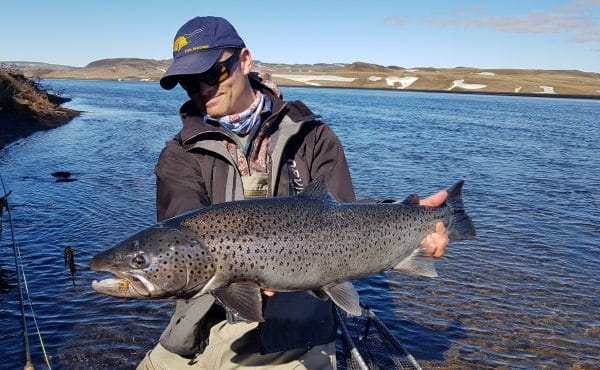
pixel 246 61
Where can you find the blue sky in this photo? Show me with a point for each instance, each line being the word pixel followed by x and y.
pixel 549 34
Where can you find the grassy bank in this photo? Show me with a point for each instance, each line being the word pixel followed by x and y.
pixel 27 107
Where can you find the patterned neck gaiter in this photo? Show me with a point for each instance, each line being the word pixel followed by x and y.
pixel 242 123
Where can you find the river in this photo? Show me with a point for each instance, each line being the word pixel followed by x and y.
pixel 525 293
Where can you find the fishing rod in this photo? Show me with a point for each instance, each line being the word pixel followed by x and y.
pixel 28 363
pixel 21 279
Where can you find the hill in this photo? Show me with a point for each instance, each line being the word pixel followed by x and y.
pixel 361 75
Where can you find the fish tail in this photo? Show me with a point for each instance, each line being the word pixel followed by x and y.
pixel 461 226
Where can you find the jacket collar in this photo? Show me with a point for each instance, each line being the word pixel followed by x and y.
pixel 194 125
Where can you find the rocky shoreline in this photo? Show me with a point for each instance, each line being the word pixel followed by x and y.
pixel 26 107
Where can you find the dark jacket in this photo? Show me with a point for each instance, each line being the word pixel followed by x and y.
pixel 195 170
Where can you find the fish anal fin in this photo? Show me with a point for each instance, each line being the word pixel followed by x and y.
pixel 243 297
pixel 319 294
pixel 345 296
pixel 418 263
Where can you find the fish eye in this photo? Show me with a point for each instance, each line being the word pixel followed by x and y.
pixel 139 261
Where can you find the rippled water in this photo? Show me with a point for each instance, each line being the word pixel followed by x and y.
pixel 525 293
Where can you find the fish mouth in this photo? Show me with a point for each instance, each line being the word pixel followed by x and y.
pixel 124 286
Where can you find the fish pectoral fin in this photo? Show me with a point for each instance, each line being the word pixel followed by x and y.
pixel 418 263
pixel 243 297
pixel 217 281
pixel 345 296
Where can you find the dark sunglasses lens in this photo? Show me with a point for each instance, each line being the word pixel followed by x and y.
pixel 190 85
pixel 216 74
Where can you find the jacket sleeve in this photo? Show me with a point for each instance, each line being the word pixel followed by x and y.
pixel 180 186
pixel 181 336
pixel 329 160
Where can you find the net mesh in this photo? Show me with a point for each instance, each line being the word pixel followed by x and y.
pixel 376 349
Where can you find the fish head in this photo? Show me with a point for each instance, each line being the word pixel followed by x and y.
pixel 163 261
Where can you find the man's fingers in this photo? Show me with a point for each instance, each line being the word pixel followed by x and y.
pixel 435 243
pixel 268 293
pixel 435 199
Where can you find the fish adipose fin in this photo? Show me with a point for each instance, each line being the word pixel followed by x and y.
pixel 412 200
pixel 461 227
pixel 418 263
pixel 243 297
pixel 345 296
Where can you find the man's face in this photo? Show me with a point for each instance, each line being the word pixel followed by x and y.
pixel 230 96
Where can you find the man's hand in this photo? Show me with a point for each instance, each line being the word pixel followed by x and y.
pixel 268 293
pixel 436 242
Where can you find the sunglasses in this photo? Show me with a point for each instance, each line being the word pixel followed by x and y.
pixel 218 73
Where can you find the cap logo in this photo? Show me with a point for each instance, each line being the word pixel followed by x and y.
pixel 179 43
pixel 182 41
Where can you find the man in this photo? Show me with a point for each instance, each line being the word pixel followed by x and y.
pixel 240 140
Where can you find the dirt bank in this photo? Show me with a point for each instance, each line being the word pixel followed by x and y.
pixel 26 107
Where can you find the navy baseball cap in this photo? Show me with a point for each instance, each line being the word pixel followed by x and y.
pixel 197 46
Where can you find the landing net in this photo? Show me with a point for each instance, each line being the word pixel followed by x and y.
pixel 364 342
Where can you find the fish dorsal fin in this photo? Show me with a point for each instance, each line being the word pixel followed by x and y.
pixel 317 190
pixel 418 263
pixel 243 297
pixel 345 296
pixel 412 200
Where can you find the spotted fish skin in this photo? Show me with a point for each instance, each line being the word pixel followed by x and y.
pixel 305 242
pixel 298 243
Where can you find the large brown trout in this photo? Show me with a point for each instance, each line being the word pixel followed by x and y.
pixel 305 242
